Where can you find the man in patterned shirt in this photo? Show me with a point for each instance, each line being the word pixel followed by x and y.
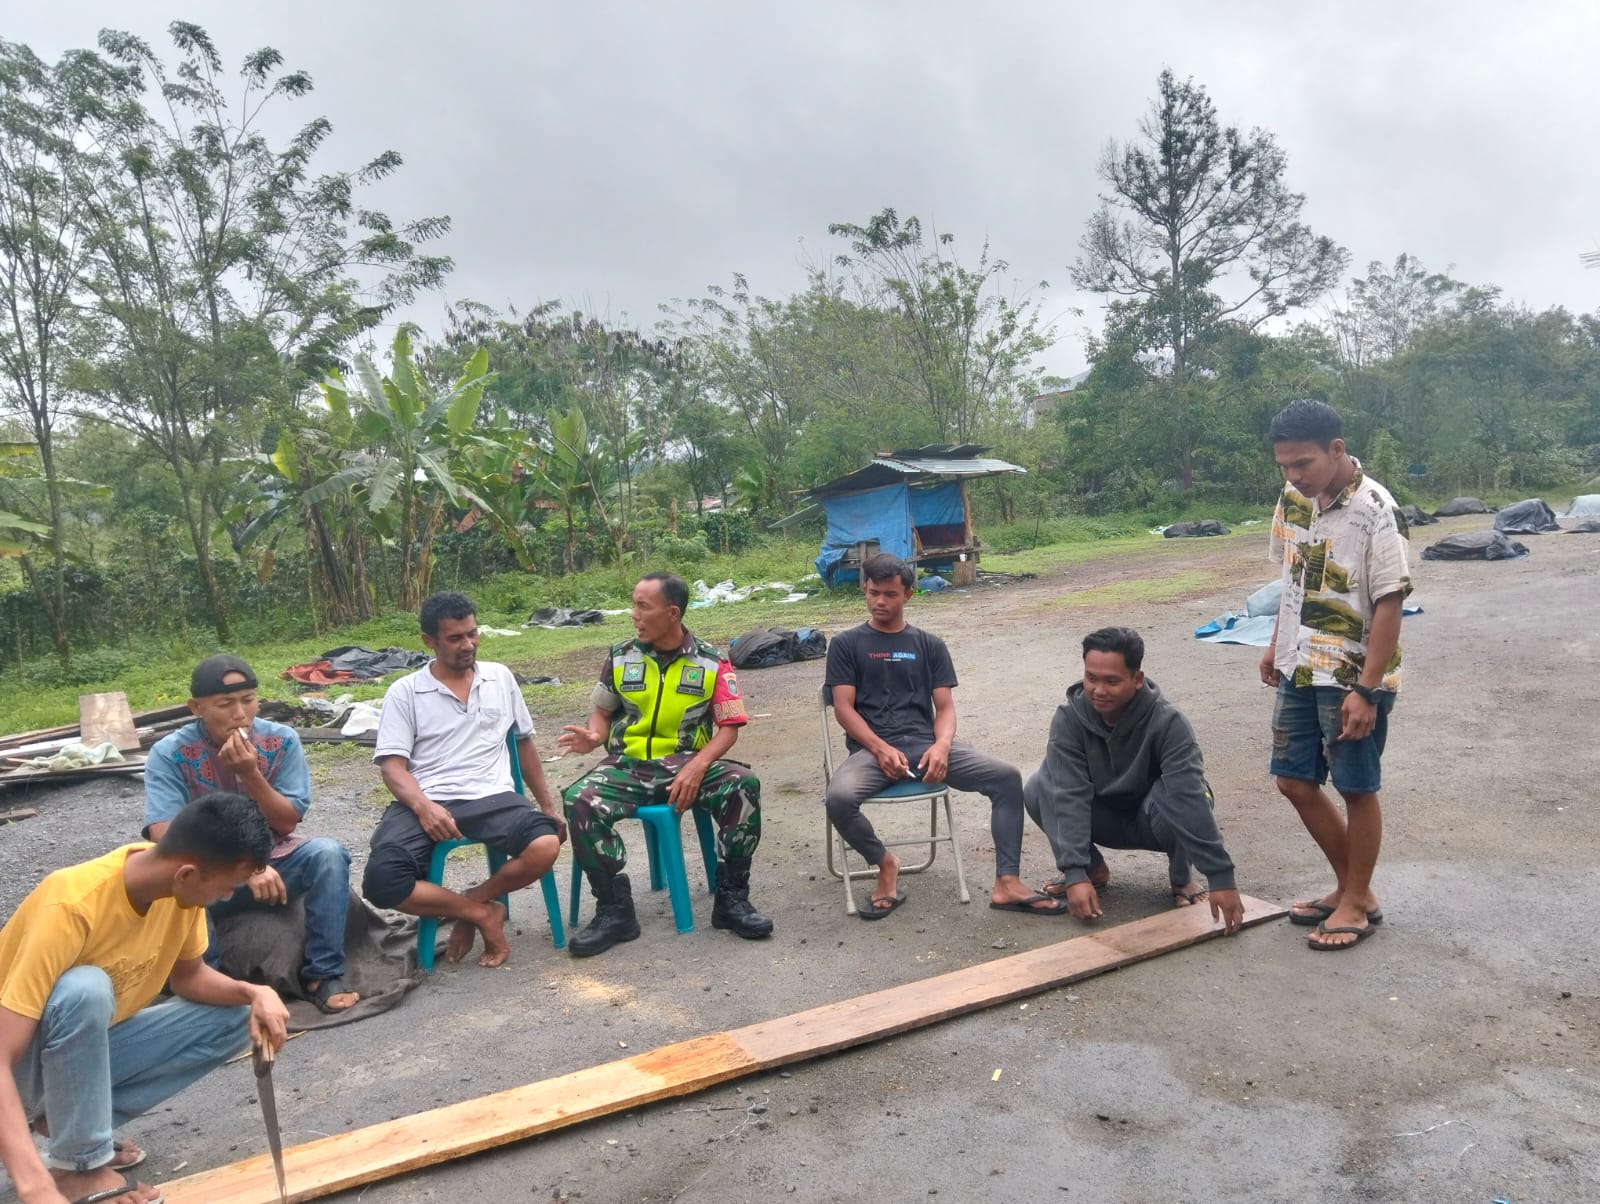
pixel 1334 658
pixel 228 747
pixel 667 709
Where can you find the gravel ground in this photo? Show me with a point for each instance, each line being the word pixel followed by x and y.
pixel 1453 1057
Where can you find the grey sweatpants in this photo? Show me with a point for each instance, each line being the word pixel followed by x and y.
pixel 860 778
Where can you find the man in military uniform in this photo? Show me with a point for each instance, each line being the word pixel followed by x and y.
pixel 667 709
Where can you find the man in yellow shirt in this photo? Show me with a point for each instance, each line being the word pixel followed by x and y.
pixel 82 960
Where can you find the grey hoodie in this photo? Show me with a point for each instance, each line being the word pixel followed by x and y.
pixel 1088 761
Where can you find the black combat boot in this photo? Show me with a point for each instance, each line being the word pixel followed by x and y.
pixel 732 908
pixel 613 918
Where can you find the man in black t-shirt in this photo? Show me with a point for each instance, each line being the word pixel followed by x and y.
pixel 891 687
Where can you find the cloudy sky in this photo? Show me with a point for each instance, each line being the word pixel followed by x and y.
pixel 619 155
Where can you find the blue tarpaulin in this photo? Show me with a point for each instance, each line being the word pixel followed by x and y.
pixel 880 515
pixel 1254 630
pixel 938 506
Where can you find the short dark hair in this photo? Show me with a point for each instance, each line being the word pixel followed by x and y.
pixel 884 566
pixel 447 605
pixel 1306 421
pixel 673 588
pixel 1124 640
pixel 218 830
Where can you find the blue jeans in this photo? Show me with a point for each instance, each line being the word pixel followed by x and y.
pixel 1306 721
pixel 319 870
pixel 87 1076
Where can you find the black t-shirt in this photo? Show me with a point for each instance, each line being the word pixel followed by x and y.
pixel 894 676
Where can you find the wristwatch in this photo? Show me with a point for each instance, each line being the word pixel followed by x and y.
pixel 1370 693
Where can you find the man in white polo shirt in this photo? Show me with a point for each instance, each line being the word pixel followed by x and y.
pixel 442 753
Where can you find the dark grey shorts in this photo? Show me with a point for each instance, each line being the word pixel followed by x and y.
pixel 402 852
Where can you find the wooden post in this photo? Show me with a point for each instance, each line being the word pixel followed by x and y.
pixel 106 717
pixel 964 572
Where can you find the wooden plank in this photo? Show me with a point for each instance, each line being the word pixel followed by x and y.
pixel 64 732
pixel 16 813
pixel 334 1164
pixel 110 769
pixel 106 717
pixel 899 1009
pixel 332 735
pixel 70 731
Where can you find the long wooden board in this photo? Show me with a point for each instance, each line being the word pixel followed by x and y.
pixel 334 1164
pixel 103 717
pixel 70 731
pixel 111 769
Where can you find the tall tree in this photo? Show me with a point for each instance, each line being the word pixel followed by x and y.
pixel 48 117
pixel 969 345
pixel 1199 232
pixel 1388 308
pixel 225 273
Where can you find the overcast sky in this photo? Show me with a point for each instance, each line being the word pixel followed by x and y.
pixel 619 155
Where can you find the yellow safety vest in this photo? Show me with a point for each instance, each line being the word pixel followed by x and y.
pixel 664 711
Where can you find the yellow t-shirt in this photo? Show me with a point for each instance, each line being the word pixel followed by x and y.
pixel 82 916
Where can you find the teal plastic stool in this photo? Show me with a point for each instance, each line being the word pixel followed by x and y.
pixel 428 926
pixel 664 847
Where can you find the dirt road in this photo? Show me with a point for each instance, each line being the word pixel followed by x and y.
pixel 1451 1058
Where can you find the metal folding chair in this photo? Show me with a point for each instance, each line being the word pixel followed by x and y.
pixel 909 791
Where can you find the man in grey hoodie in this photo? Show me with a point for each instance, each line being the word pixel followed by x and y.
pixel 1123 769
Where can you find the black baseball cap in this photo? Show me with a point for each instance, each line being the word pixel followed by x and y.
pixel 208 675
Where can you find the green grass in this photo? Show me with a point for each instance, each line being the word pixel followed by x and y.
pixel 155 672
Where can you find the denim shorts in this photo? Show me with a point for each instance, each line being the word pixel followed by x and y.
pixel 1305 739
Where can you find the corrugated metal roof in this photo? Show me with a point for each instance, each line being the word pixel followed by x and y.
pixel 976 466
pixel 933 462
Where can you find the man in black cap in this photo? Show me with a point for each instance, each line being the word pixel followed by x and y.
pixel 228 748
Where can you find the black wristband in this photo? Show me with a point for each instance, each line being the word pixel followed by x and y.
pixel 1369 693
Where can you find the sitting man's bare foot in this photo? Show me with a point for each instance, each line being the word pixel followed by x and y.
pixel 75 1185
pixel 463 933
pixel 888 885
pixel 1188 894
pixel 344 1000
pixel 1099 875
pixel 496 948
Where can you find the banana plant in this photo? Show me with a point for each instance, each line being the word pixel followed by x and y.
pixel 500 467
pixel 402 436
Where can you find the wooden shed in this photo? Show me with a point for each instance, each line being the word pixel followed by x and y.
pixel 912 503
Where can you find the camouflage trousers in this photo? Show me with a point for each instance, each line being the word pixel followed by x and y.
pixel 618 786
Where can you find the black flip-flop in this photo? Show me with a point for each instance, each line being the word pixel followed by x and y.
pixel 1191 898
pixel 1320 911
pixel 1057 906
pixel 1360 934
pixel 876 909
pixel 129 1184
